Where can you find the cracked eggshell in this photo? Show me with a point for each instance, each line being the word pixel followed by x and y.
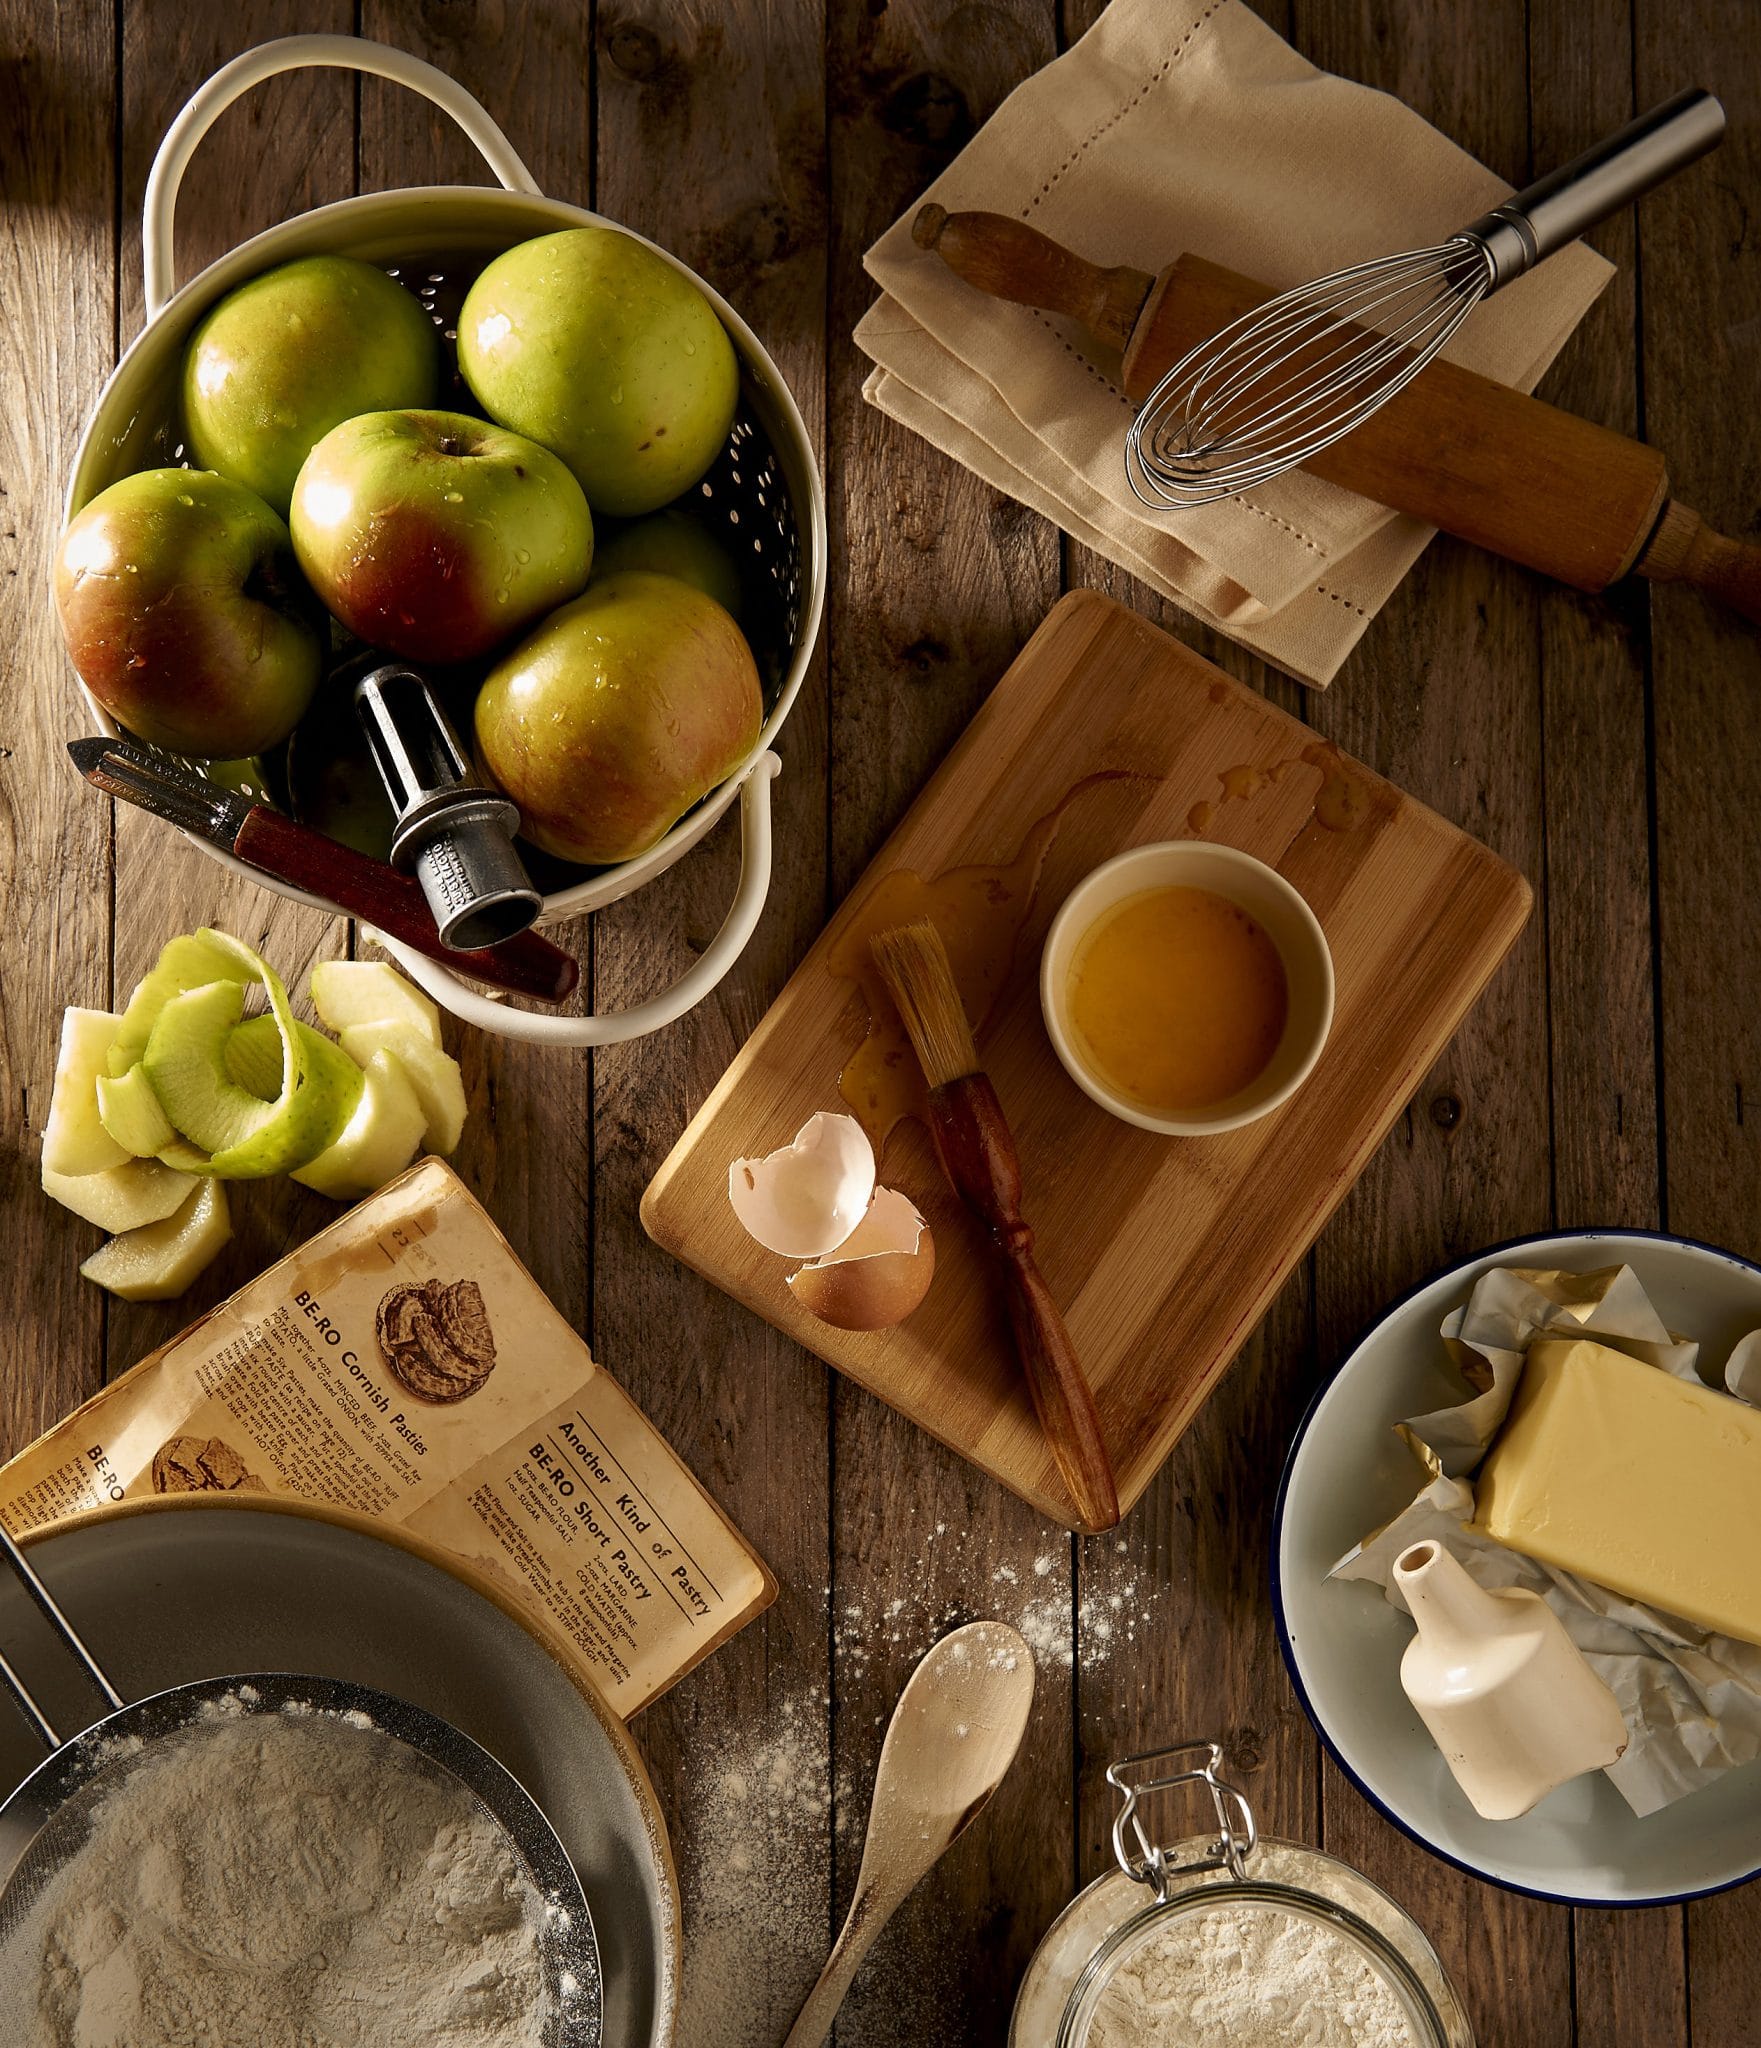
pixel 878 1275
pixel 805 1199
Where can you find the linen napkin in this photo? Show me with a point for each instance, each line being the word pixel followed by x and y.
pixel 1173 126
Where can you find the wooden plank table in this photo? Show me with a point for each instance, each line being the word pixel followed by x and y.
pixel 1606 748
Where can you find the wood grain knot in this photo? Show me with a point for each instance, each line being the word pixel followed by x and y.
pixel 929 110
pixel 635 51
pixel 1446 1111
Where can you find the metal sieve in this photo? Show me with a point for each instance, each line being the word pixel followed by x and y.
pixel 47 1819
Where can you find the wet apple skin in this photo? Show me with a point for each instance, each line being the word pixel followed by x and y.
pixel 617 714
pixel 436 536
pixel 185 614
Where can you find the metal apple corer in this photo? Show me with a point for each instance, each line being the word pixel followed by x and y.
pixel 47 1819
pixel 762 494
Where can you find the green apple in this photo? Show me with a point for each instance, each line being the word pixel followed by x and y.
pixel 378 1141
pixel 74 1138
pixel 346 992
pixel 160 1260
pixel 125 1197
pixel 435 1076
pixel 437 536
pixel 283 359
pixel 593 344
pixel 672 543
pixel 615 716
pixel 184 612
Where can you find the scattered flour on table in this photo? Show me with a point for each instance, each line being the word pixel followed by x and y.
pixel 756 1816
pixel 282 1881
pixel 1242 1977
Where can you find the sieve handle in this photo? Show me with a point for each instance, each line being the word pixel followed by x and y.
pixel 268 60
pixel 25 1573
pixel 1558 208
pixel 621 1025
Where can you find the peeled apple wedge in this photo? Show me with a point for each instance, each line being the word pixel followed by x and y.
pixel 130 1112
pixel 380 1139
pixel 435 1076
pixel 160 1260
pixel 244 1136
pixel 346 992
pixel 125 1197
pixel 74 1141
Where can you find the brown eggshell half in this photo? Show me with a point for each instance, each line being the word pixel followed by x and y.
pixel 878 1275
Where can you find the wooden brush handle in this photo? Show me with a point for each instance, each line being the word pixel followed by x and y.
pixel 978 1156
pixel 1006 259
pixel 527 965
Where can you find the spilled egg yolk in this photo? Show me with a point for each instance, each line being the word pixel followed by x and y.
pixel 1177 999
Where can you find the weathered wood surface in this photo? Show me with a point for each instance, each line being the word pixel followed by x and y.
pixel 1611 1074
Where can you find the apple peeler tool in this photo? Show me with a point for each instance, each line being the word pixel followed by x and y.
pixel 455 835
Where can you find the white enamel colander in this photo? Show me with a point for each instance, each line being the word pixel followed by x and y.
pixel 763 491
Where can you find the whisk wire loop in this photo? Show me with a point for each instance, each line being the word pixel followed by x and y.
pixel 1296 374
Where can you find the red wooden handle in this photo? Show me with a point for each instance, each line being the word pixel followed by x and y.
pixel 978 1155
pixel 527 965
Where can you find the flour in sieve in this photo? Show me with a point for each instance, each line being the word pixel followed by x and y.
pixel 290 1882
pixel 1238 1976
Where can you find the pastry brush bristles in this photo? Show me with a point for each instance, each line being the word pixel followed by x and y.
pixel 914 965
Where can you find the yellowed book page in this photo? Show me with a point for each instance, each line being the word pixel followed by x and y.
pixel 404 1364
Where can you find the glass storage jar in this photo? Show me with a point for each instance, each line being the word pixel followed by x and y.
pixel 1160 1899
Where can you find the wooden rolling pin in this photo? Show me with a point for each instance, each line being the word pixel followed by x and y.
pixel 1510 473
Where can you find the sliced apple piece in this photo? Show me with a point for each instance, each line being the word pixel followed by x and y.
pixel 346 992
pixel 74 1141
pixel 130 1112
pixel 185 962
pixel 161 1259
pixel 380 1139
pixel 125 1197
pixel 245 1136
pixel 435 1076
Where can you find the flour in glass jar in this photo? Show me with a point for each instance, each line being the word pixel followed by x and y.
pixel 1246 1977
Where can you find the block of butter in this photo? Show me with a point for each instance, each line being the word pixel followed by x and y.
pixel 1647 1484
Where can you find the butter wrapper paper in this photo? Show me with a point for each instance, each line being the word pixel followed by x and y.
pixel 1692 1699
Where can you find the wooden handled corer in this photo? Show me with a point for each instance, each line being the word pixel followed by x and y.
pixel 1510 473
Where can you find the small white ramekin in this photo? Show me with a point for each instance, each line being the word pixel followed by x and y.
pixel 1280 912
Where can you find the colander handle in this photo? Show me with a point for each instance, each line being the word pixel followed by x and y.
pixel 728 944
pixel 298 53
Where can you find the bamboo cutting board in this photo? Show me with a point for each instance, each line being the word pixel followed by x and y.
pixel 1164 1252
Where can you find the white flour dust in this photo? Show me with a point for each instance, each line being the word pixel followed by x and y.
pixel 758 1819
pixel 1244 1977
pixel 287 1881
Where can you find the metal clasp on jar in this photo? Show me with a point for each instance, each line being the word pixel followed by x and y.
pixel 1136 1778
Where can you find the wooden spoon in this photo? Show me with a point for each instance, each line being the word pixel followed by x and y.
pixel 948 1747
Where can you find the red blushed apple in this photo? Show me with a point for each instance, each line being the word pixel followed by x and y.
pixel 185 615
pixel 436 536
pixel 617 714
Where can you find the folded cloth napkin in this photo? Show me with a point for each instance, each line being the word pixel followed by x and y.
pixel 1174 126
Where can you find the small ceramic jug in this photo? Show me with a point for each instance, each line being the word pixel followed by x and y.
pixel 1503 1689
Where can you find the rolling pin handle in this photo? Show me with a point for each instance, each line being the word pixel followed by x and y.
pixel 1684 549
pixel 1007 259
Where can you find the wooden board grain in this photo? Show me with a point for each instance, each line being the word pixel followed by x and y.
pixel 1163 1255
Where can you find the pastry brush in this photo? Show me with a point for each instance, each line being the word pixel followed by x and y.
pixel 977 1151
